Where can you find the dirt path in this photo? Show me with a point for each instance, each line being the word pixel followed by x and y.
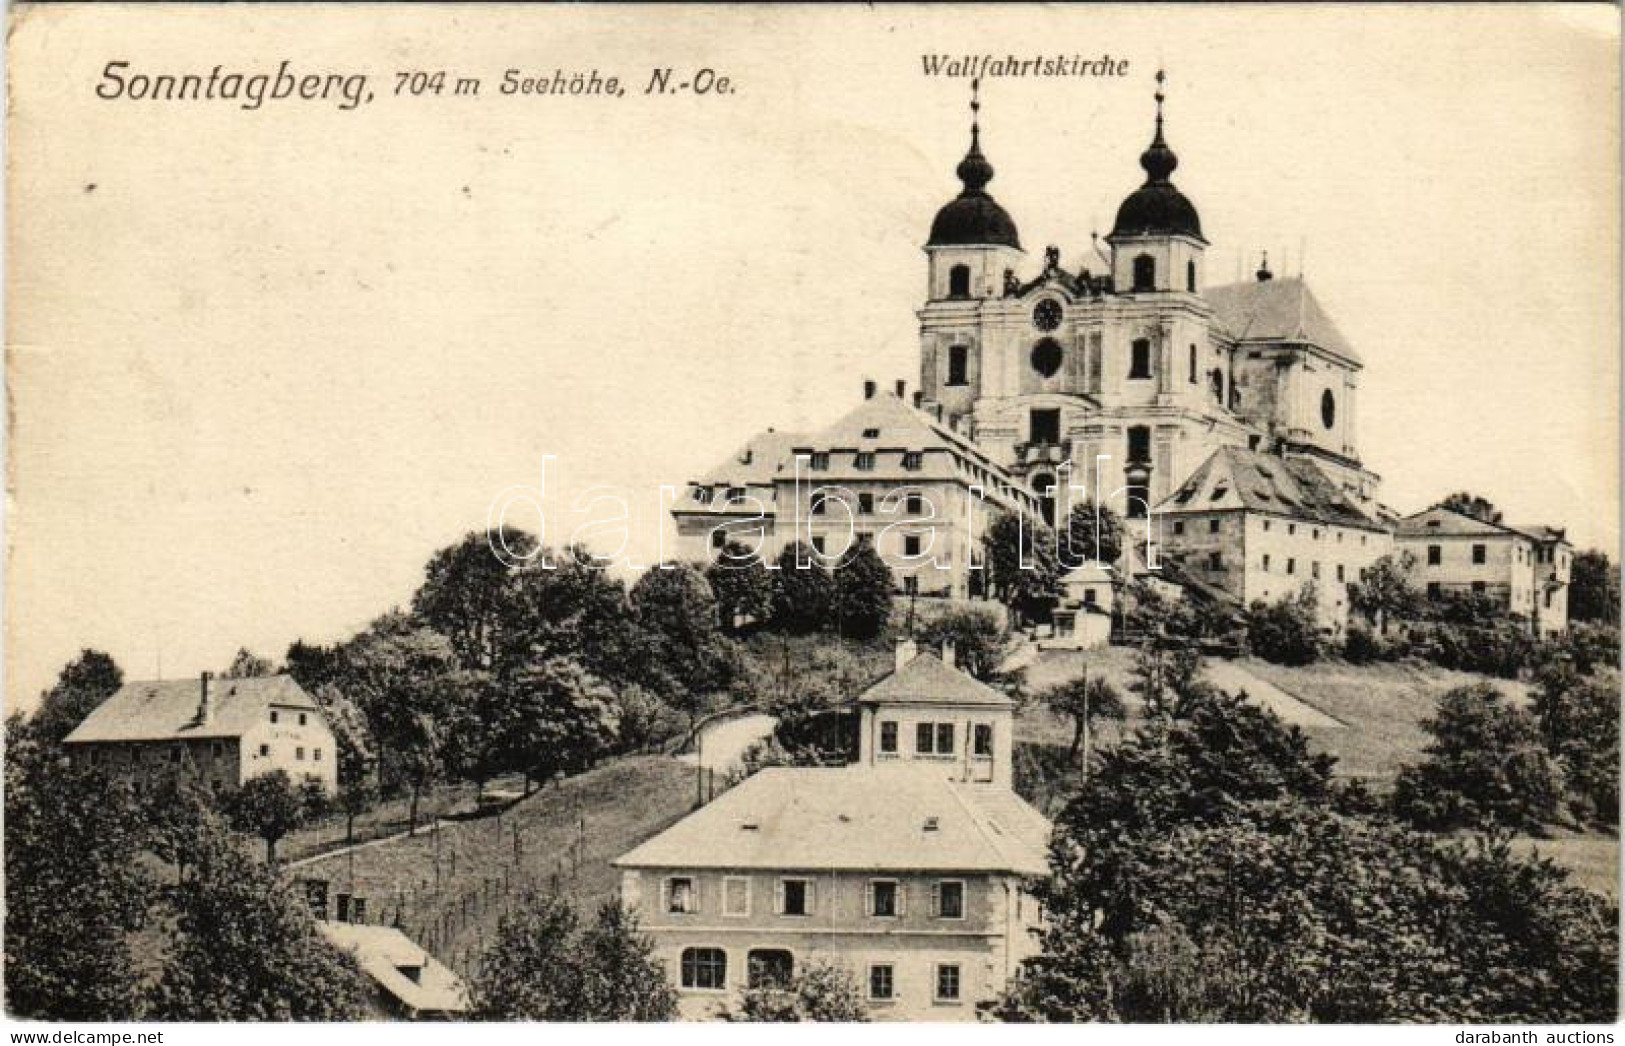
pixel 1227 675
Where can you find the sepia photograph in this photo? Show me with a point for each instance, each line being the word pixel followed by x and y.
pixel 987 514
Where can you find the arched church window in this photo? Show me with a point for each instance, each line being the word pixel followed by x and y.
pixel 1190 276
pixel 1328 409
pixel 959 281
pixel 1139 444
pixel 1145 273
pixel 1139 363
pixel 1047 357
pixel 959 365
pixel 1044 487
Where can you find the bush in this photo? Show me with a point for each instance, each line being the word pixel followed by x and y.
pixel 1285 632
pixel 1362 646
pixel 1486 767
pixel 818 992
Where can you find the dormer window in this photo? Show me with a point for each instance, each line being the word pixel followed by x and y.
pixel 864 461
pixel 871 433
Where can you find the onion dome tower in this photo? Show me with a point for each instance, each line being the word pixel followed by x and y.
pixel 973 240
pixel 1157 239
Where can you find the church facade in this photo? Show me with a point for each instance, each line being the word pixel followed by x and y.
pixel 1122 385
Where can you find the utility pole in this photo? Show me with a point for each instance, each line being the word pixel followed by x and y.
pixel 1086 730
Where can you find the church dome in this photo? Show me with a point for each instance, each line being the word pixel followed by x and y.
pixel 1157 208
pixel 973 218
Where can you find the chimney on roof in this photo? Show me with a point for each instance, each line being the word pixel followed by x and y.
pixel 948 653
pixel 902 388
pixel 1264 275
pixel 919 397
pixel 205 700
pixel 868 390
pixel 906 651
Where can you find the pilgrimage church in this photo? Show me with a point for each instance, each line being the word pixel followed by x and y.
pixel 1225 411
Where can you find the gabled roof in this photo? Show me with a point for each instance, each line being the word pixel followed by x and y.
pixel 381 952
pixel 1281 310
pixel 1440 521
pixel 754 464
pixel 927 680
pixel 1237 478
pixel 1542 532
pixel 167 710
pixel 854 819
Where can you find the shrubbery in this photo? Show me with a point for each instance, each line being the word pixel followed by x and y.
pixel 1287 631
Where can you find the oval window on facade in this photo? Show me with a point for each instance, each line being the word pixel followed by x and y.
pixel 1328 408
pixel 1047 357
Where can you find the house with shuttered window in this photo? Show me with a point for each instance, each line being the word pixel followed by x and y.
pixel 909 868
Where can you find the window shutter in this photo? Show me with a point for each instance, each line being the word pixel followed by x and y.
pixel 812 896
pixel 936 900
pixel 869 898
pixel 902 894
pixel 778 897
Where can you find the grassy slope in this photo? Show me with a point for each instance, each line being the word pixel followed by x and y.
pixel 455 911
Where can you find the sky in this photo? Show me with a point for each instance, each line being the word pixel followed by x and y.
pixel 261 364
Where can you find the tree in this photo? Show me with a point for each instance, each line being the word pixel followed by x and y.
pixel 1484 768
pixel 742 586
pixel 173 813
pixel 1384 591
pixel 1086 700
pixel 82 685
pixel 247 665
pixel 76 889
pixel 1579 725
pixel 817 992
pixel 554 718
pixel 312 665
pixel 270 806
pixel 1024 572
pixel 1168 679
pixel 357 760
pixel 981 639
pixel 1594 588
pixel 1470 504
pixel 1212 871
pixel 1286 631
pixel 245 948
pixel 685 658
pixel 542 967
pixel 863 588
pixel 469 595
pixel 1093 534
pixel 803 592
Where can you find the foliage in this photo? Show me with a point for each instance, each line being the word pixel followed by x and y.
pixel 684 656
pixel 1594 588
pixel 863 588
pixel 75 890
pixel 357 758
pixel 1168 678
pixel 82 685
pixel 742 585
pixel 1213 872
pixel 558 718
pixel 803 591
pixel 982 643
pixel 469 595
pixel 270 806
pixel 1384 592
pixel 1485 767
pixel 1024 572
pixel 1579 725
pixel 245 948
pixel 248 665
pixel 816 992
pixel 644 720
pixel 543 967
pixel 1286 631
pixel 1085 700
pixel 1470 504
pixel 311 665
pixel 1093 534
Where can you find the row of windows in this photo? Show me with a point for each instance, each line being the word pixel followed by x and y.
pixel 1480 555
pixel 1292 567
pixel 798 897
pixel 706 969
pixel 298 753
pixel 913 503
pixel 275 717
pixel 937 738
